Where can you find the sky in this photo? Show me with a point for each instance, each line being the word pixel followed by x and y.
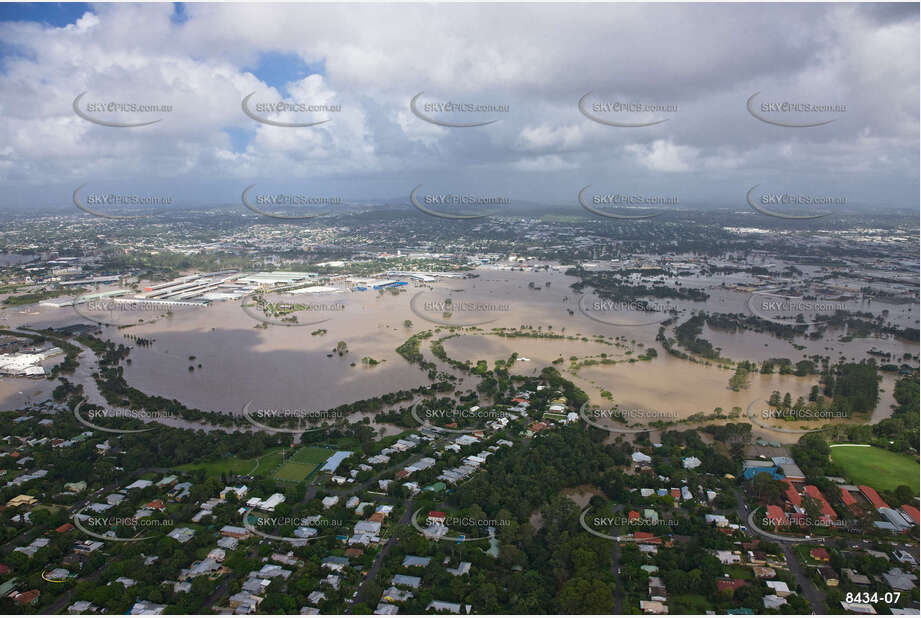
pixel 531 62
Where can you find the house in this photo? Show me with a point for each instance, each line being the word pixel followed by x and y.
pixel 871 495
pixel 406 580
pixel 793 497
pixel 372 528
pixel 849 501
pixel 85 548
pixel 828 513
pixel 395 595
pixel 897 579
pixel 732 583
pixel 779 588
pixel 820 554
pixel 416 561
pixel 82 607
pixel 235 532
pixel 903 556
pixel 690 463
pixel 444 606
pixel 856 578
pixel 641 458
pixel 829 576
pixel 727 557
pixel 764 572
pixel 436 517
pixel 462 569
pixel 865 608
pixel 268 504
pixel 776 517
pixel 21 500
pixel 29 597
pixel 334 563
pixel 772 601
pixel 183 535
pixel 146 608
pixel 240 492
pixel 911 513
pixel 140 484
pixel 898 521
pixel 386 609
pixel 653 607
pixel 656 589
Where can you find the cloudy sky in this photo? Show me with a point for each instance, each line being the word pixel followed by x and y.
pixel 704 61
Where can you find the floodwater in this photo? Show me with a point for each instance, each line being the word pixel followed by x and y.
pixel 288 367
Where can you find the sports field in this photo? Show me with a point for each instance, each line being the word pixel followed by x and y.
pixel 876 467
pixel 298 466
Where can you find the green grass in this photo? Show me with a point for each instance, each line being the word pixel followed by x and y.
pixel 739 572
pixel 876 467
pixel 311 455
pixel 294 472
pixel 297 466
pixel 267 462
pixel 689 603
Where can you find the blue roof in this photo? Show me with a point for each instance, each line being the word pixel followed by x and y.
pixel 335 459
pixel 750 473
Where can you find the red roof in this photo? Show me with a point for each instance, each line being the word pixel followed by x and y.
pixel 819 553
pixel 776 515
pixel 911 512
pixel 792 496
pixel 437 514
pixel 24 598
pixel 632 515
pixel 156 504
pixel 828 513
pixel 729 584
pixel 64 528
pixel 646 536
pixel 537 426
pixel 873 497
pixel 675 492
pixel 846 497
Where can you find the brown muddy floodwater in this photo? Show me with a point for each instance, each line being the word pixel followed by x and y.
pixel 288 367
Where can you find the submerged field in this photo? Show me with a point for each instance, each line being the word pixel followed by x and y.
pixel 876 467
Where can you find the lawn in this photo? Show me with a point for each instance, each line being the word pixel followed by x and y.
pixel 293 471
pixel 311 455
pixel 261 466
pixel 297 466
pixel 302 463
pixel 689 603
pixel 876 467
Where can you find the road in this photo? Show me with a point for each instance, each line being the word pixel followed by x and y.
pixel 815 597
pixel 371 575
pixel 618 584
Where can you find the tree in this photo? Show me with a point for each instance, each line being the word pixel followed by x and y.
pixel 586 596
